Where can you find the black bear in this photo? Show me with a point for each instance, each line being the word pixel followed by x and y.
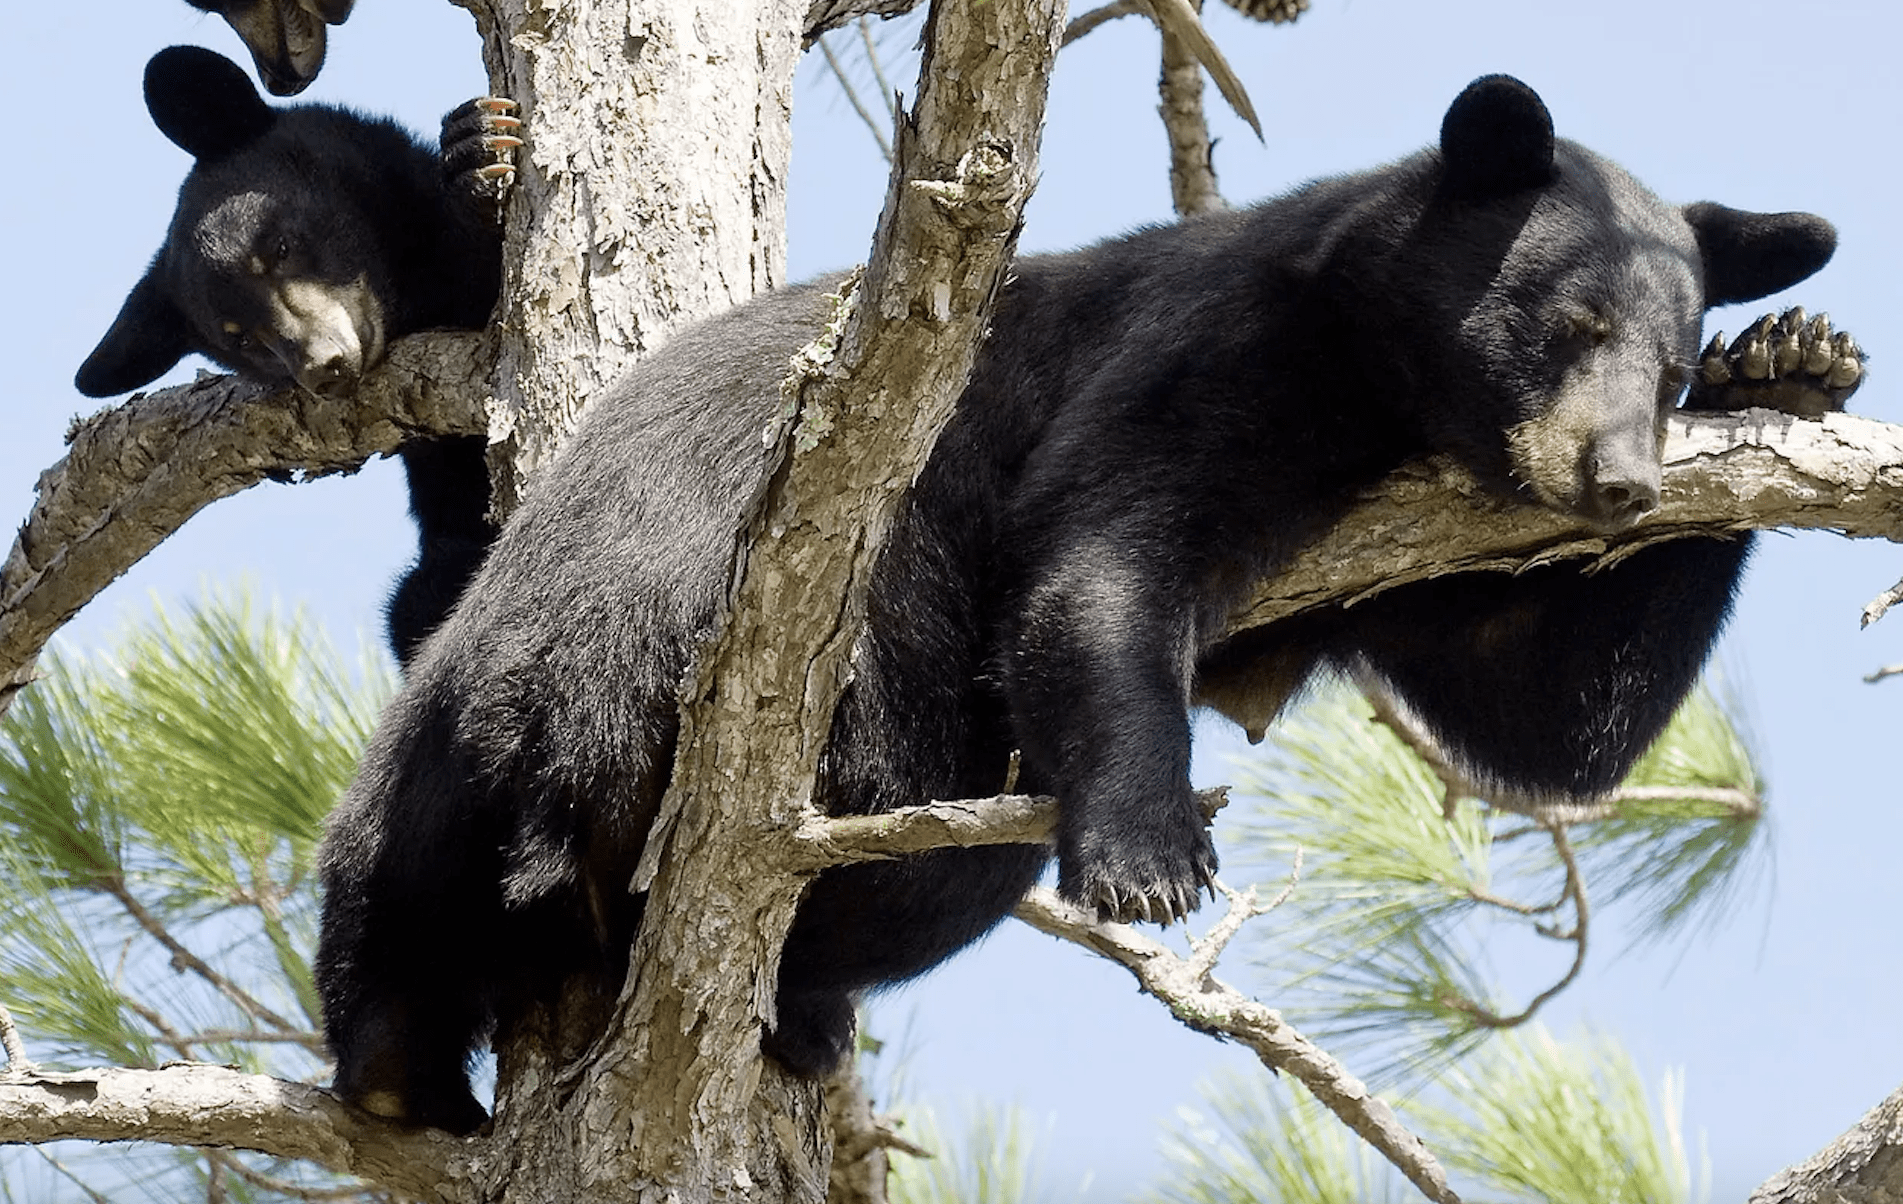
pixel 1153 424
pixel 305 239
pixel 285 37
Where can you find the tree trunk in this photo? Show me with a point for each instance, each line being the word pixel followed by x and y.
pixel 653 190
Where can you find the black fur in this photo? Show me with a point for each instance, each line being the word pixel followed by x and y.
pixel 305 239
pixel 285 37
pixel 1153 424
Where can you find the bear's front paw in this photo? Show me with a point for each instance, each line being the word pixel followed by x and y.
pixel 1158 877
pixel 1790 362
pixel 479 142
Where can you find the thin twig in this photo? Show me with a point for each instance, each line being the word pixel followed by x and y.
pixel 285 1187
pixel 852 98
pixel 184 959
pixel 1080 26
pixel 886 92
pixel 1582 914
pixel 1455 785
pixel 17 1061
pixel 67 1171
pixel 1490 899
pixel 1743 804
pixel 1243 907
pixel 1209 1005
pixel 244 1036
pixel 1881 604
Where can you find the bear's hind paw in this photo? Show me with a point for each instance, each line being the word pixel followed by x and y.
pixel 1791 362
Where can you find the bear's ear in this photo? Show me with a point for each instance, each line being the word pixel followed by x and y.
pixel 1752 255
pixel 204 102
pixel 1497 138
pixel 146 339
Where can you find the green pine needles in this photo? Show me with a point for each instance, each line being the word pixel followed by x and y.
pixel 160 807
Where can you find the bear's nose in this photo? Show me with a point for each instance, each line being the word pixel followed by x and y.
pixel 1623 503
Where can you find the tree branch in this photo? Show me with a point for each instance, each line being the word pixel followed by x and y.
pixel 1179 85
pixel 966 823
pixel 137 470
pixel 825 15
pixel 1209 1005
pixel 192 1104
pixel 1723 472
pixel 1861 1167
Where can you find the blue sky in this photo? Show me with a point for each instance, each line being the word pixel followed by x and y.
pixel 1783 1020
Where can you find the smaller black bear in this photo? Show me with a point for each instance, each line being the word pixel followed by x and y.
pixel 1153 425
pixel 285 37
pixel 305 239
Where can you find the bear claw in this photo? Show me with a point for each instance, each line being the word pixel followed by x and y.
pixel 479 144
pixel 1792 362
pixel 1159 894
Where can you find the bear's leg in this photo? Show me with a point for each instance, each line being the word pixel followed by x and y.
pixel 1552 683
pixel 1099 678
pixel 449 498
pixel 882 922
pixel 416 947
pixel 407 997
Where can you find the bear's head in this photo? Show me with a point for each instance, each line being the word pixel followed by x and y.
pixel 268 268
pixel 1566 301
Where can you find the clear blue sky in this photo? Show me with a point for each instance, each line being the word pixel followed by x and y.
pixel 1784 1021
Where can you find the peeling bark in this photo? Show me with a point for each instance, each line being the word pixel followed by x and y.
pixel 652 190
pixel 136 471
pixel 1727 472
pixel 718 863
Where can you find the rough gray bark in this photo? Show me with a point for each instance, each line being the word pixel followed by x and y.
pixel 137 470
pixel 964 163
pixel 653 190
pixel 1864 1166
pixel 1723 472
pixel 1193 187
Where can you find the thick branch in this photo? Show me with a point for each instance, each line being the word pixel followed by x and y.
pixel 191 1104
pixel 136 471
pixel 1861 1167
pixel 1209 1005
pixel 1727 472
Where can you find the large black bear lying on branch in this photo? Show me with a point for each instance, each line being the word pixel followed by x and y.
pixel 1154 424
pixel 305 240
